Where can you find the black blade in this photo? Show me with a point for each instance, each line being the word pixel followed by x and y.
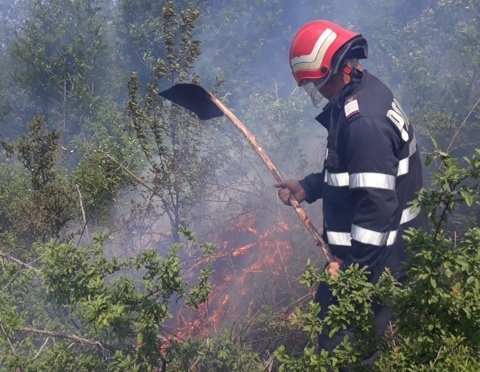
pixel 193 98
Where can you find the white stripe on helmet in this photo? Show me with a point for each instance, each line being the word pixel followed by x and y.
pixel 315 58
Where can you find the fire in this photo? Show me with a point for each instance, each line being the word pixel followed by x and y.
pixel 242 250
pixel 253 257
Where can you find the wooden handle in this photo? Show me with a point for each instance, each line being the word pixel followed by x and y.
pixel 276 175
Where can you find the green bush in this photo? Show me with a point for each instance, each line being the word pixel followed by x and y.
pixel 437 311
pixel 78 309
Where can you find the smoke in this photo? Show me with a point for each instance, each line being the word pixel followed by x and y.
pixel 245 47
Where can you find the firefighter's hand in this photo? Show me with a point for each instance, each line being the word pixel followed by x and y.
pixel 333 268
pixel 290 187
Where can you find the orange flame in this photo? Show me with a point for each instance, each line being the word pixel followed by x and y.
pixel 252 256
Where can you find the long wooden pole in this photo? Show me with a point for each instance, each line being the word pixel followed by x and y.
pixel 276 175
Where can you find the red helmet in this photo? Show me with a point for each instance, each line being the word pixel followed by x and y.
pixel 319 48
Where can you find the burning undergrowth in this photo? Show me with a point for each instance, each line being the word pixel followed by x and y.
pixel 256 266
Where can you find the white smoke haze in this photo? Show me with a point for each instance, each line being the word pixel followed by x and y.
pixel 266 88
pixel 245 46
pixel 234 49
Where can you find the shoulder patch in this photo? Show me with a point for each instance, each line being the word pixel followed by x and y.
pixel 351 106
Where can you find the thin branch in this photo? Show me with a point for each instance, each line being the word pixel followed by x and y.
pixel 284 268
pixel 67 336
pixel 41 348
pixel 21 263
pixel 136 178
pixel 466 144
pixel 84 216
pixel 457 132
pixel 8 339
pixel 441 219
pixel 269 363
pixel 276 90
pixel 126 170
pixel 392 332
pixel 438 356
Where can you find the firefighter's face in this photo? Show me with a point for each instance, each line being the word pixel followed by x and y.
pixel 333 85
pixel 319 91
pixel 312 87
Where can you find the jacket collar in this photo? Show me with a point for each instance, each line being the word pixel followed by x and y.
pixel 336 102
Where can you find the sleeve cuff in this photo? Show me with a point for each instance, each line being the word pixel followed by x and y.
pixel 313 185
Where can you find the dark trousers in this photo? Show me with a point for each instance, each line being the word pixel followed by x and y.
pixel 383 315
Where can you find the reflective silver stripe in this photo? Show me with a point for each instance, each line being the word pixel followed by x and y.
pixel 336 179
pixel 376 180
pixel 403 164
pixel 372 237
pixel 339 238
pixel 403 167
pixel 409 214
pixel 367 236
pixel 314 59
pixel 412 148
pixel 363 236
pixel 392 236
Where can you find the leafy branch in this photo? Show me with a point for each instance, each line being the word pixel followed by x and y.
pixel 21 263
pixel 68 336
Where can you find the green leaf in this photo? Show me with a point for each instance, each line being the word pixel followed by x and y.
pixel 468 197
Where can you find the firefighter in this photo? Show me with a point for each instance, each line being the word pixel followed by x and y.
pixel 372 167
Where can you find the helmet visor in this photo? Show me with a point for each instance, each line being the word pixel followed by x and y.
pixel 312 87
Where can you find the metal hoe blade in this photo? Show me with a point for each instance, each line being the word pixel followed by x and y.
pixel 194 98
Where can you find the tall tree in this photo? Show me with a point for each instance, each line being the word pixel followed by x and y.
pixel 172 140
pixel 47 201
pixel 59 54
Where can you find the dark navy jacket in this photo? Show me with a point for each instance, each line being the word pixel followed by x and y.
pixel 372 171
